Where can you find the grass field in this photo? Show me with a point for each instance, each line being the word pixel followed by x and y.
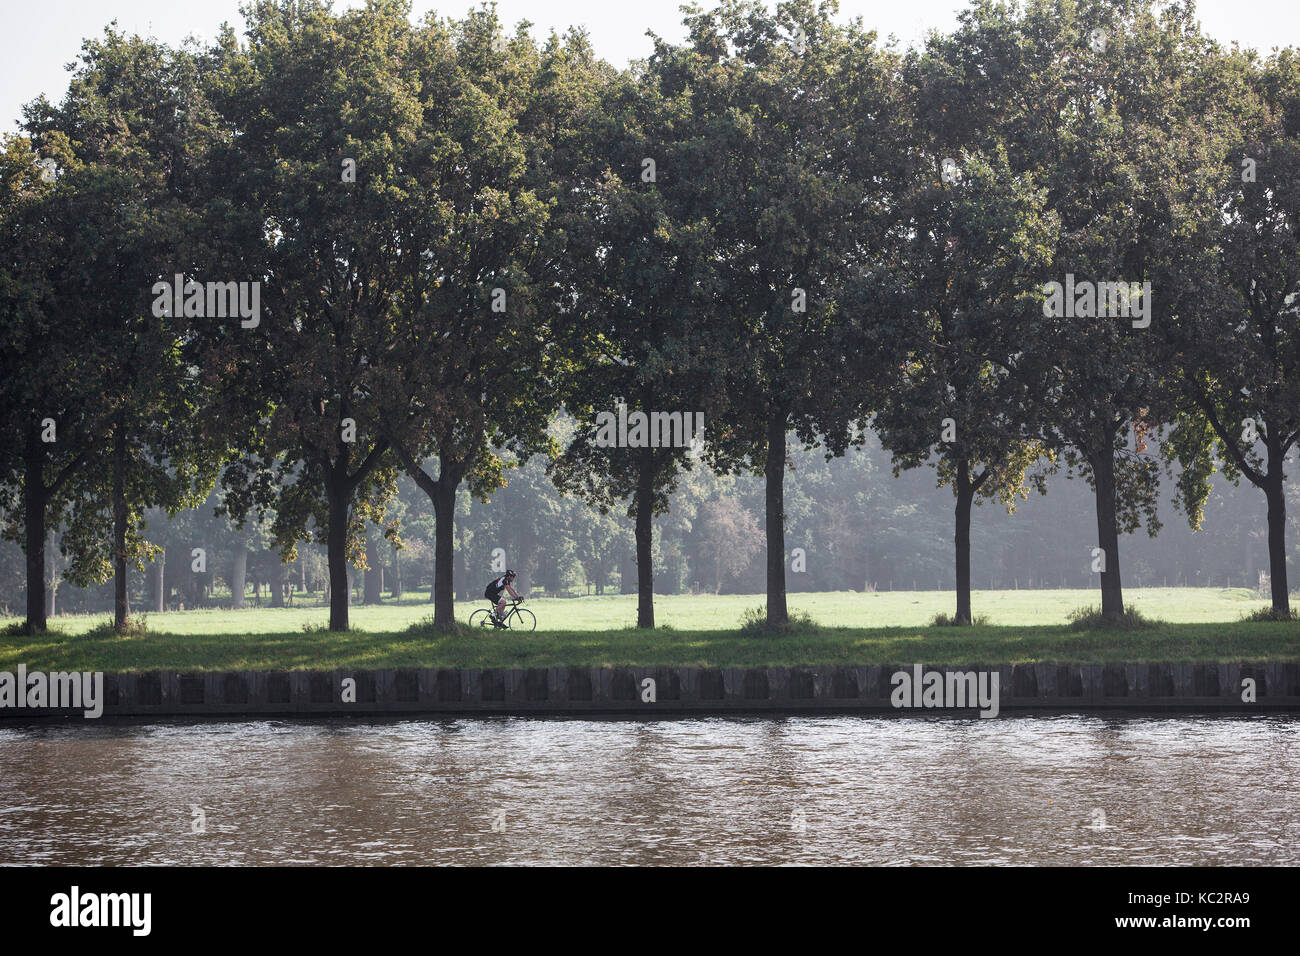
pixel 709 612
pixel 1199 624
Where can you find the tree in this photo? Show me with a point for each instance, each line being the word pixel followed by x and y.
pixel 328 115
pixel 971 239
pixel 469 369
pixel 1237 331
pixel 1103 115
pixel 646 376
pixel 799 127
pixel 48 401
pixel 731 538
pixel 599 540
pixel 130 138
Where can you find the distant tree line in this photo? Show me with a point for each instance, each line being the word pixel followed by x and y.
pixel 290 274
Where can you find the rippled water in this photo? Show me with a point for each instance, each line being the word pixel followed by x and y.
pixel 719 790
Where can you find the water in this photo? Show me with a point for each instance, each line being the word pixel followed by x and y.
pixel 917 791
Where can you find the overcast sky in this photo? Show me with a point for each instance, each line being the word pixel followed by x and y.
pixel 42 36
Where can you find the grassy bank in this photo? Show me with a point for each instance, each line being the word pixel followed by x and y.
pixel 708 612
pixel 377 649
pixel 1199 624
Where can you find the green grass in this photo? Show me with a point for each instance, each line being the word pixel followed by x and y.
pixel 1196 624
pixel 708 612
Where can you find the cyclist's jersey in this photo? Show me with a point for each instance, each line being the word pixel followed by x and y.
pixel 495 587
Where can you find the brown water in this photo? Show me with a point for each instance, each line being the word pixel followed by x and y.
pixel 1173 790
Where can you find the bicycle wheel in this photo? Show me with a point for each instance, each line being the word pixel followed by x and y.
pixel 481 618
pixel 523 620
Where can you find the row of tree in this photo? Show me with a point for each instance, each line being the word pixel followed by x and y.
pixel 403 248
pixel 849 526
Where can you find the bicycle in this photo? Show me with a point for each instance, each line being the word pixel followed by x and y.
pixel 515 619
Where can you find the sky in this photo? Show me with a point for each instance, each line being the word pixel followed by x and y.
pixel 43 36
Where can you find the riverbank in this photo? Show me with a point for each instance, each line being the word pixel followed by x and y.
pixel 421 647
pixel 915 690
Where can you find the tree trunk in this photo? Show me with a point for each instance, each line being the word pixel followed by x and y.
pixel 278 580
pixel 374 582
pixel 467 587
pixel 52 583
pixel 160 584
pixel 1275 491
pixel 35 500
pixel 775 514
pixel 627 573
pixel 645 572
pixel 442 493
pixel 397 574
pixel 337 556
pixel 239 575
pixel 965 495
pixel 121 605
pixel 444 540
pixel 1112 594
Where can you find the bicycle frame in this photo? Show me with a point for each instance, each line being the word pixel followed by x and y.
pixel 513 605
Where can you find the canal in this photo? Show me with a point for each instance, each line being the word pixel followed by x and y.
pixel 798 790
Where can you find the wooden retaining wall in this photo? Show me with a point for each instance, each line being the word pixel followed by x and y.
pixel 621 690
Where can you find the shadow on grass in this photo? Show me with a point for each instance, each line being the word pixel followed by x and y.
pixel 466 647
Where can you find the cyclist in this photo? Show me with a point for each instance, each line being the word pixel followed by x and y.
pixel 496 593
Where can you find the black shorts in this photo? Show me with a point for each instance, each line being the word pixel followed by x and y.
pixel 492 595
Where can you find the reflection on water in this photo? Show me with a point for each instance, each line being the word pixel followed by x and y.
pixel 1088 790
